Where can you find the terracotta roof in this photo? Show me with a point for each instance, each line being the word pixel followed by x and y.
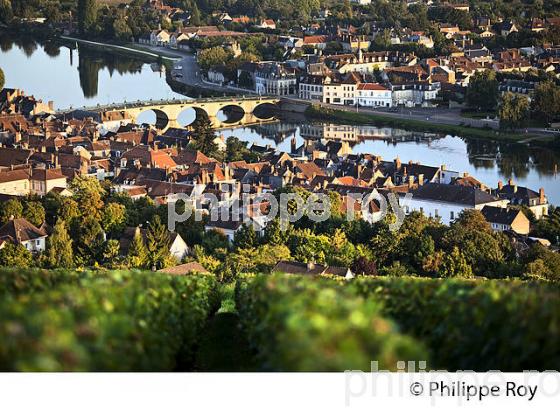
pixel 15 175
pixel 298 268
pixel 150 157
pixel 21 230
pixel 314 39
pixel 185 269
pixel 14 156
pixel 371 87
pixel 188 156
pixel 39 174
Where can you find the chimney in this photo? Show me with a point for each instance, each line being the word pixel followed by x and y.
pixel 360 170
pixel 397 163
pixel 542 198
pixel 421 179
pixel 310 265
pixel 510 182
pixel 500 185
pixel 293 145
pixel 411 181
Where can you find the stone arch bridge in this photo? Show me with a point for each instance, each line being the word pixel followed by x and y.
pixel 243 110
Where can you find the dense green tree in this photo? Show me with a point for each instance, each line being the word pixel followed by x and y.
pixel 214 239
pixel 213 56
pixel 121 29
pixel 87 15
pixel 245 80
pixel 455 265
pixel 69 210
pixel 88 194
pixel 546 100
pixel 236 150
pixel 137 253
pixel 513 111
pixel 203 137
pixel 542 263
pixel 482 93
pixel 273 233
pixel 89 241
pixel 6 15
pixel 34 212
pixel 59 247
pixel 549 226
pixel 484 250
pixel 157 245
pixel 195 15
pixel 245 237
pixel 364 266
pixel 111 253
pixel 12 208
pixel 15 255
pixel 114 218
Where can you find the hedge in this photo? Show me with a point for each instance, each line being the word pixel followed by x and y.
pixel 475 325
pixel 124 322
pixel 19 281
pixel 303 324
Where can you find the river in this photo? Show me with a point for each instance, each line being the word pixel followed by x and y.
pixel 86 77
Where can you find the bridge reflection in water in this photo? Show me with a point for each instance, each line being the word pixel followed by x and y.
pixel 236 110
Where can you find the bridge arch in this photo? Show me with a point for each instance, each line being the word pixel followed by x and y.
pixel 189 115
pixel 265 111
pixel 230 114
pixel 161 120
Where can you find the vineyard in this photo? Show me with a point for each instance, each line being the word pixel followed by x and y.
pixel 69 320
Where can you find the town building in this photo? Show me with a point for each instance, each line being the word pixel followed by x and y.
pixel 507 219
pixel 21 232
pixel 446 202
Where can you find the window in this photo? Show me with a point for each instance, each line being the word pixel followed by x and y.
pixel 452 215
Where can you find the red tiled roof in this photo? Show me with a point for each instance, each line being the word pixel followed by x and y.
pixel 371 87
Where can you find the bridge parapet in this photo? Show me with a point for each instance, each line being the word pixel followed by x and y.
pixel 173 101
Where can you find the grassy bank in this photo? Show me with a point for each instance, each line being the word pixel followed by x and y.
pixel 367 118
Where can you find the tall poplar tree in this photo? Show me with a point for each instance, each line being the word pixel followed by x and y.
pixel 158 243
pixel 137 253
pixel 87 15
pixel 59 247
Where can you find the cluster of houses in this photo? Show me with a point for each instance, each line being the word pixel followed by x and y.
pixel 317 60
pixel 42 152
pixel 386 78
pixel 359 77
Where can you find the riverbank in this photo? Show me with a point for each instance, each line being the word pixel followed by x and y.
pixel 126 49
pixel 369 118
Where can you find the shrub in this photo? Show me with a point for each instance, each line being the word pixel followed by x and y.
pixel 18 281
pixel 475 325
pixel 303 324
pixel 123 322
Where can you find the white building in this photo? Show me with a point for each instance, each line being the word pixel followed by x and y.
pixel 311 87
pixel 20 231
pixel 374 95
pixel 448 201
pixel 275 79
pixel 361 2
pixel 419 93
pixel 159 38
